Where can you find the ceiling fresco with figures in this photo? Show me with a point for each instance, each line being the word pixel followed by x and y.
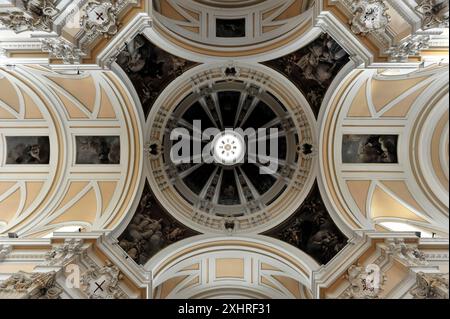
pixel 150 69
pixel 215 149
pixel 313 68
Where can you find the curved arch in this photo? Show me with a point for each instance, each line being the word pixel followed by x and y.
pixel 94 195
pixel 118 71
pixel 277 26
pixel 366 194
pixel 203 263
pixel 321 180
pixel 428 136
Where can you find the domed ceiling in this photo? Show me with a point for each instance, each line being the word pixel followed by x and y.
pixel 236 188
pixel 228 148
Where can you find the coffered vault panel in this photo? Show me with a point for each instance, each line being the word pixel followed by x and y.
pixel 94 166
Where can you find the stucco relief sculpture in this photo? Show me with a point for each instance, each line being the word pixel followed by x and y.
pixel 46 7
pixel 369 16
pixel 31 286
pixel 96 204
pixel 431 286
pixel 408 254
pixel 62 49
pixel 365 282
pixel 434 13
pixel 102 282
pixel 30 15
pixel 4 251
pixel 154 149
pixel 100 18
pixel 64 253
pixel 409 47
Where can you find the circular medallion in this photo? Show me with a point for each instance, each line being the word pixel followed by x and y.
pixel 228 148
pixel 235 154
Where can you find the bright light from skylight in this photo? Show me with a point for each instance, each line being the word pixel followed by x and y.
pixel 66 229
pixel 400 227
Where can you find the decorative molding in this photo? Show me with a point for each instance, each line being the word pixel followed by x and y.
pixel 109 246
pixel 411 46
pixel 4 251
pixel 65 253
pixel 24 285
pixel 365 282
pixel 259 261
pixel 235 28
pixel 98 261
pixel 437 256
pixel 377 122
pixel 100 19
pixel 102 282
pixel 120 42
pixel 200 219
pixel 430 286
pixel 30 15
pixel 3 53
pixel 62 49
pixel 153 149
pixel 105 96
pixel 434 13
pixel 408 254
pixel 369 16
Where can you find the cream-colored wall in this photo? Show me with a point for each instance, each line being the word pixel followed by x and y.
pixel 373 103
pixel 37 199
